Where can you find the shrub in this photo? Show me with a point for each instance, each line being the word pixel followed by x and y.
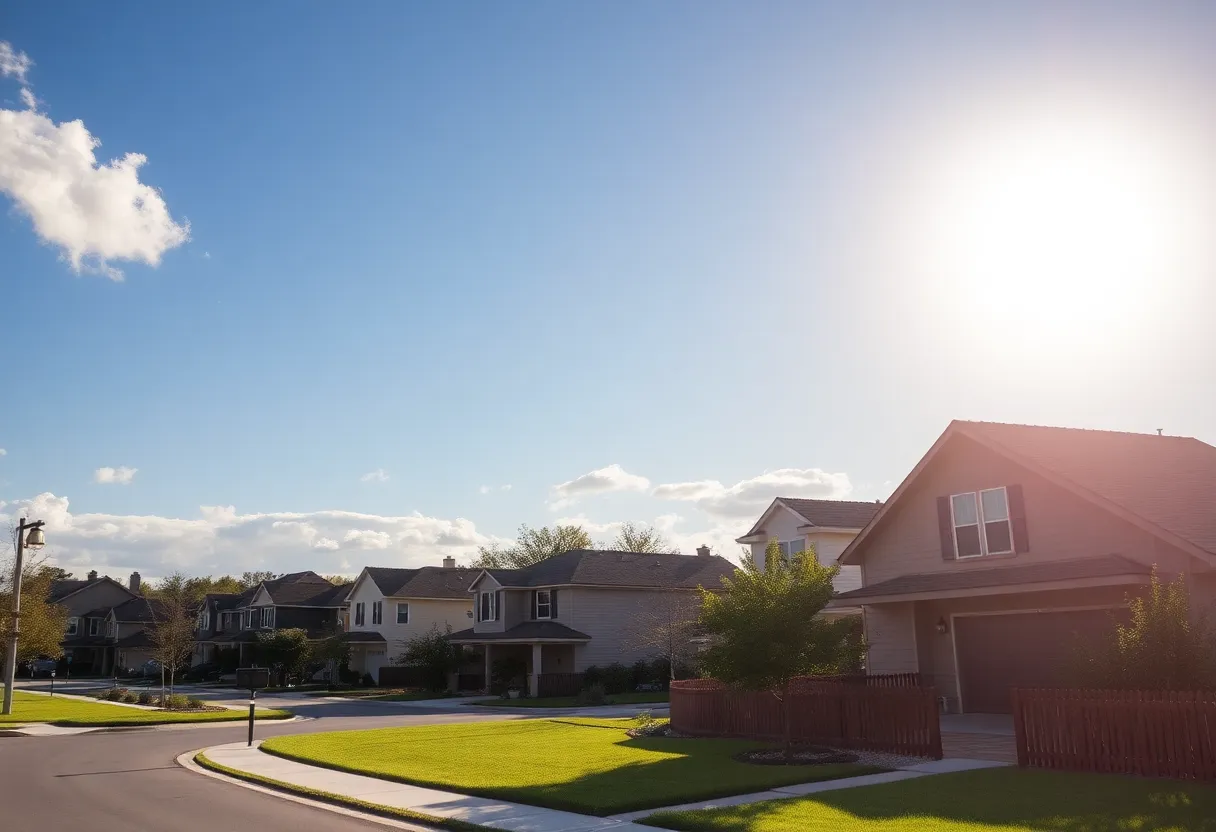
pixel 194 703
pixel 434 656
pixel 146 698
pixel 660 672
pixel 129 697
pixel 617 678
pixel 594 695
pixel 176 702
pixel 593 675
pixel 367 681
pixel 639 674
pixel 507 672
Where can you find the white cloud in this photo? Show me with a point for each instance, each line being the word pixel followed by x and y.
pixel 92 212
pixel 747 498
pixel 206 255
pixel 3 452
pixel 600 481
pixel 122 475
pixel 220 540
pixel 379 475
pixel 486 489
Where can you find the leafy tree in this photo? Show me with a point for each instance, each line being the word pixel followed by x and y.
pixel 765 630
pixel 42 623
pixel 1162 647
pixel 339 580
pixel 636 538
pixel 532 546
pixel 173 614
pixel 198 588
pixel 248 580
pixel 435 656
pixel 330 651
pixel 286 652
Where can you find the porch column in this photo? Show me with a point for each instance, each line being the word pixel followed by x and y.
pixel 535 691
pixel 487 668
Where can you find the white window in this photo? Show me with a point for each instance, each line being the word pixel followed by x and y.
pixel 544 607
pixel 249 619
pixel 204 620
pixel 359 618
pixel 111 629
pixel 789 548
pixel 486 608
pixel 94 626
pixel 377 612
pixel 403 613
pixel 981 523
pixel 267 618
pixel 73 626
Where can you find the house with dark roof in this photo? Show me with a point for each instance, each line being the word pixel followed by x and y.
pixel 800 524
pixel 1009 545
pixel 389 606
pixel 88 603
pixel 128 631
pixel 574 610
pixel 303 600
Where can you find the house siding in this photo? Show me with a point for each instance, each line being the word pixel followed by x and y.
pixel 607 615
pixel 891 635
pixel 98 596
pixel 1060 524
pixel 424 614
pixel 488 584
pixel 784 525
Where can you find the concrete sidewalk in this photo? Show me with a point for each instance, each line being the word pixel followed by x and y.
pixel 517 817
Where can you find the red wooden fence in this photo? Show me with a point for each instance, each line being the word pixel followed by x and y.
pixel 1151 733
pixel 898 720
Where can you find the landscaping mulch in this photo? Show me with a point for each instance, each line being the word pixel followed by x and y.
pixel 800 756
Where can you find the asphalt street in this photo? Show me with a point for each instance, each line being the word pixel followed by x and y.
pixel 130 781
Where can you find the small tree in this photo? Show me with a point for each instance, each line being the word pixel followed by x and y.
pixel 286 652
pixel 434 655
pixel 1162 647
pixel 635 538
pixel 42 623
pixel 765 630
pixel 665 626
pixel 173 620
pixel 330 651
pixel 532 546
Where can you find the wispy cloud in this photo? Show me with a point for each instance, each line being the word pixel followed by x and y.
pixel 379 475
pixel 600 481
pixel 488 489
pixel 93 213
pixel 122 475
pixel 3 452
pixel 747 498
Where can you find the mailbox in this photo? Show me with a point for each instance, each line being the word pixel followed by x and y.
pixel 252 678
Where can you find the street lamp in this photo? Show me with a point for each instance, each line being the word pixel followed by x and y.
pixel 28 535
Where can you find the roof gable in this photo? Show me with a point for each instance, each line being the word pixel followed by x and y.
pixel 829 514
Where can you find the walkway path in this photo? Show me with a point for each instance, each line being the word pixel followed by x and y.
pixel 501 814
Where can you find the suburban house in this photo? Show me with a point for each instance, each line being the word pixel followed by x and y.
pixel 827 525
pixel 581 608
pixel 389 606
pixel 302 600
pixel 1008 545
pixel 88 603
pixel 128 629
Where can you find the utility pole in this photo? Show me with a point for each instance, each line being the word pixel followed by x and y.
pixel 34 541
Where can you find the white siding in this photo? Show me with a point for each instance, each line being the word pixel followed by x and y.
pixel 784 525
pixel 891 635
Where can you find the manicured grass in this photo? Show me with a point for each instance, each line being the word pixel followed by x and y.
pixel 341 800
pixel 1004 799
pixel 572 701
pixel 384 694
pixel 59 710
pixel 588 766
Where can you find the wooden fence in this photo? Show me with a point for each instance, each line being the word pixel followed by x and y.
pixel 1150 733
pixel 887 680
pixel 897 720
pixel 559 684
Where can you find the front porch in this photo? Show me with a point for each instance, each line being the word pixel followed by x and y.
pixel 518 657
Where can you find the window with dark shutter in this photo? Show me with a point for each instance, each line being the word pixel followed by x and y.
pixel 945 527
pixel 533 611
pixel 544 609
pixel 497 604
pixel 553 603
pixel 979 523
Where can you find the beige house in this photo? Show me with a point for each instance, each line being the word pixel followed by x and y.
pixel 581 608
pixel 387 607
pixel 1008 545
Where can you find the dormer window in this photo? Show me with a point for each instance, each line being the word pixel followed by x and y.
pixel 981 523
pixel 94 626
pixel 267 618
pixel 487 609
pixel 789 548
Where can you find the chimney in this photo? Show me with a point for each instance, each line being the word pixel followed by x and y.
pixel 449 562
pixel 133 583
pixel 703 551
pixel 93 575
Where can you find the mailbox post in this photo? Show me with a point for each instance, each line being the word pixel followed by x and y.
pixel 253 679
pixel 52 683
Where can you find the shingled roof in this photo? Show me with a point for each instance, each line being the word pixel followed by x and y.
pixel 305 589
pixel 525 631
pixel 591 567
pixel 423 582
pixel 828 514
pixel 140 610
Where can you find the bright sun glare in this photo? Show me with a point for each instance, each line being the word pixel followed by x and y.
pixel 1063 230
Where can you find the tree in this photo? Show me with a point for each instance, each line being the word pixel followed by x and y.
pixel 636 538
pixel 199 588
pixel 249 580
pixel 339 580
pixel 532 546
pixel 765 630
pixel 434 655
pixel 330 651
pixel 42 623
pixel 666 626
pixel 173 615
pixel 286 651
pixel 1162 647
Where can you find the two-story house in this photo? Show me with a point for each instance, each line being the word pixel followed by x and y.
pixel 303 600
pixel 128 631
pixel 1008 545
pixel 88 603
pixel 573 610
pixel 828 526
pixel 388 606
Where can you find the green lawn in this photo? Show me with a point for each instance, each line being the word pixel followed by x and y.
pixel 383 694
pixel 588 766
pixel 58 710
pixel 1005 799
pixel 572 701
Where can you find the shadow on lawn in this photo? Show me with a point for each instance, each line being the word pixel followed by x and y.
pixel 1017 798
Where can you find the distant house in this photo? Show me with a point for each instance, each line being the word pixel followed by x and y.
pixel 86 645
pixel 1008 544
pixel 128 628
pixel 574 610
pixel 388 606
pixel 827 525
pixel 303 600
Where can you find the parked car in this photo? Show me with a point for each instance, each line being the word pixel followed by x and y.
pixel 205 672
pixel 42 667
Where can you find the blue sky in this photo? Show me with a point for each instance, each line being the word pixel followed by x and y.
pixel 511 244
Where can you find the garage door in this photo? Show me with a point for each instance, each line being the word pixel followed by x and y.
pixel 1026 650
